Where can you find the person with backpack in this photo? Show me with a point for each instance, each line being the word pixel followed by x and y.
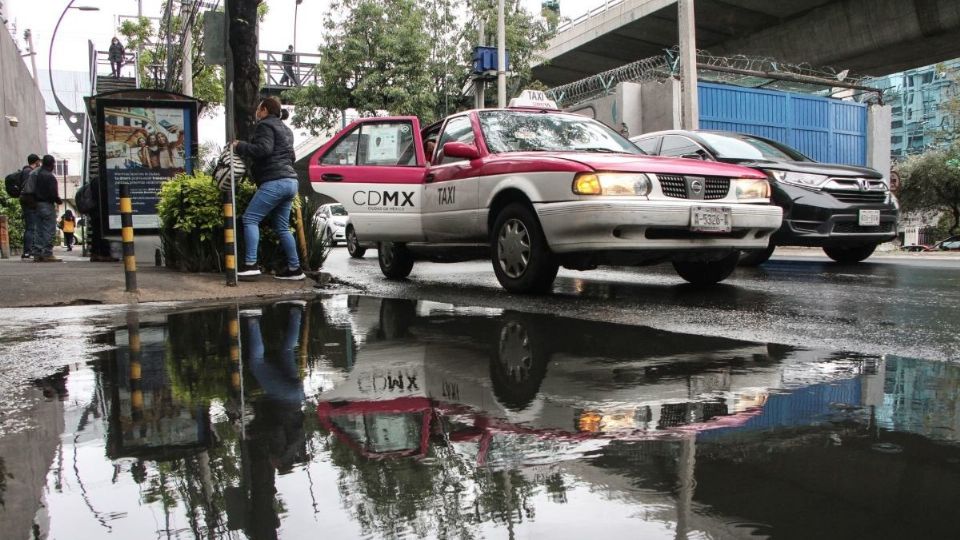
pixel 42 189
pixel 68 224
pixel 13 184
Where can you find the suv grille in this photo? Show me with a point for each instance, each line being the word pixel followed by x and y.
pixel 874 197
pixel 853 228
pixel 715 187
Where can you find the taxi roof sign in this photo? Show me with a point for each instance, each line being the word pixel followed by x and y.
pixel 533 99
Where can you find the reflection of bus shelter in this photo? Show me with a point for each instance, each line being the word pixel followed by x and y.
pixel 142 138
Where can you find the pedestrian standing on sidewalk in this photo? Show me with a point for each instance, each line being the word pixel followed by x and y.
pixel 271 150
pixel 28 211
pixel 44 191
pixel 68 224
pixel 115 54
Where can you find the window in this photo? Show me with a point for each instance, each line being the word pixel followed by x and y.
pixel 522 131
pixel 375 144
pixel 747 147
pixel 648 145
pixel 896 124
pixel 676 146
pixel 458 129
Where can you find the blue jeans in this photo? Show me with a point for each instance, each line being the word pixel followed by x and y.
pixel 29 228
pixel 46 229
pixel 279 377
pixel 274 199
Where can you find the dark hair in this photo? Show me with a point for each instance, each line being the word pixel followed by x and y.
pixel 49 161
pixel 32 158
pixel 272 105
pixel 284 114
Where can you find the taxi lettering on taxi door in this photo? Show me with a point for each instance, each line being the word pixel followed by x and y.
pixel 392 201
pixel 447 195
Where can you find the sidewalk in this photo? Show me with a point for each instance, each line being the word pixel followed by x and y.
pixel 24 283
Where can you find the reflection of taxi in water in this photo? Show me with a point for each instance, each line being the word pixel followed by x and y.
pixel 535 188
pixel 426 371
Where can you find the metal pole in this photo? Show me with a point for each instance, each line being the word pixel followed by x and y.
pixel 501 57
pixel 187 71
pixel 479 85
pixel 687 27
pixel 33 55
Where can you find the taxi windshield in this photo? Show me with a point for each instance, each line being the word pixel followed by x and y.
pixel 522 131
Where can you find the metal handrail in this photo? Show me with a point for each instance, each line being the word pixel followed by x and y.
pixel 593 12
pixel 128 58
pixel 304 73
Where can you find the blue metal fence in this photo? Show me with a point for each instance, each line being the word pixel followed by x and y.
pixel 825 129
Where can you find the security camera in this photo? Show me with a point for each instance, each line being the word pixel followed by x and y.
pixel 13 121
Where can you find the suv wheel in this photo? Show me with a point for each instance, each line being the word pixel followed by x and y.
pixel 395 260
pixel 707 273
pixel 756 258
pixel 522 260
pixel 353 246
pixel 849 255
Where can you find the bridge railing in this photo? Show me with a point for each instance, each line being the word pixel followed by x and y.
pixel 129 66
pixel 593 12
pixel 301 71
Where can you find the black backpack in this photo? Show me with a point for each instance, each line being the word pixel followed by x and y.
pixel 13 184
pixel 84 199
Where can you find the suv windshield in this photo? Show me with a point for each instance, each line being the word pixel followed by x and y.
pixel 337 210
pixel 519 131
pixel 746 147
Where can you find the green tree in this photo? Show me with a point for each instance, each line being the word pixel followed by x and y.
pixel 409 57
pixel 931 182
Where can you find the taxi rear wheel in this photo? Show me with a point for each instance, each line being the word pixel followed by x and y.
pixel 707 272
pixel 353 246
pixel 522 260
pixel 395 260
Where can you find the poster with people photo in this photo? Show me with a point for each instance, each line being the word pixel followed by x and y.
pixel 144 146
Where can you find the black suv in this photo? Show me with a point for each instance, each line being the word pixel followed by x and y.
pixel 845 210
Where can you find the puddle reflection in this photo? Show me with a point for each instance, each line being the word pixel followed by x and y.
pixel 365 417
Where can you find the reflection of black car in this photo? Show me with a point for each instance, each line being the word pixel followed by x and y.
pixel 845 210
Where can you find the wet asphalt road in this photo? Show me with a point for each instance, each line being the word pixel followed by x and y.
pixel 902 306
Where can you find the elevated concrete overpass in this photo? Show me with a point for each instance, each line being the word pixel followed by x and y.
pixel 874 37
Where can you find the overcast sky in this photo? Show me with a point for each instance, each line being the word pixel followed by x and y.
pixel 70 50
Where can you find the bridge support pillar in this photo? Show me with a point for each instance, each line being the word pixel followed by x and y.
pixel 688 64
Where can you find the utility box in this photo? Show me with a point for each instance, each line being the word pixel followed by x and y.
pixel 485 60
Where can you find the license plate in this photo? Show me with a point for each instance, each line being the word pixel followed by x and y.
pixel 710 219
pixel 869 218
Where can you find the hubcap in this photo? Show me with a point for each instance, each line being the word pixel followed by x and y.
pixel 515 355
pixel 386 253
pixel 513 248
pixel 351 241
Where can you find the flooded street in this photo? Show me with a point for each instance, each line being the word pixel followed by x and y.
pixel 361 417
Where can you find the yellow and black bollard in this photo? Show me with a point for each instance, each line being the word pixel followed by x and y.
pixel 229 239
pixel 133 345
pixel 126 224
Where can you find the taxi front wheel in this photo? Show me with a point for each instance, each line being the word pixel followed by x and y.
pixel 709 272
pixel 522 260
pixel 396 261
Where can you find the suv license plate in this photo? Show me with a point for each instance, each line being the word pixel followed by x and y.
pixel 869 218
pixel 710 219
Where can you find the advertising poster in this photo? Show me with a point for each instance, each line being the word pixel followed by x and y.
pixel 144 146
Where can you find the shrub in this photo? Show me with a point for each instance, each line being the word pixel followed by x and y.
pixel 10 207
pixel 191 226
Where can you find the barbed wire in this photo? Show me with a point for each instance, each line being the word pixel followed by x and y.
pixel 666 66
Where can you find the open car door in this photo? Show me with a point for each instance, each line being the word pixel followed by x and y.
pixel 375 168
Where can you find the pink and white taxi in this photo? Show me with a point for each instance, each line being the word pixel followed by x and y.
pixel 533 189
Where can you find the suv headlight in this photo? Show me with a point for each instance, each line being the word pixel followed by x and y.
pixel 604 183
pixel 751 189
pixel 807 180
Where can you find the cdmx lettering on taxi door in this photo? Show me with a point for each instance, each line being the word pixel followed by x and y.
pixel 387 201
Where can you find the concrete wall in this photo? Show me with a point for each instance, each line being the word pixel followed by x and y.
pixel 642 107
pixel 19 97
pixel 878 139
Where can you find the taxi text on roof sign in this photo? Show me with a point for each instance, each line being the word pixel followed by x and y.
pixel 533 99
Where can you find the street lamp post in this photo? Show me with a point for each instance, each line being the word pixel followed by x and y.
pixel 72 119
pixel 296 8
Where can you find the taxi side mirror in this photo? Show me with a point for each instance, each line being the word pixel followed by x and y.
pixel 461 150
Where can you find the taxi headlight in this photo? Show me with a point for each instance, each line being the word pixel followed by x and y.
pixel 631 184
pixel 751 189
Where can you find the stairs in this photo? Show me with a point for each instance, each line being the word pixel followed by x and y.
pixel 109 84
